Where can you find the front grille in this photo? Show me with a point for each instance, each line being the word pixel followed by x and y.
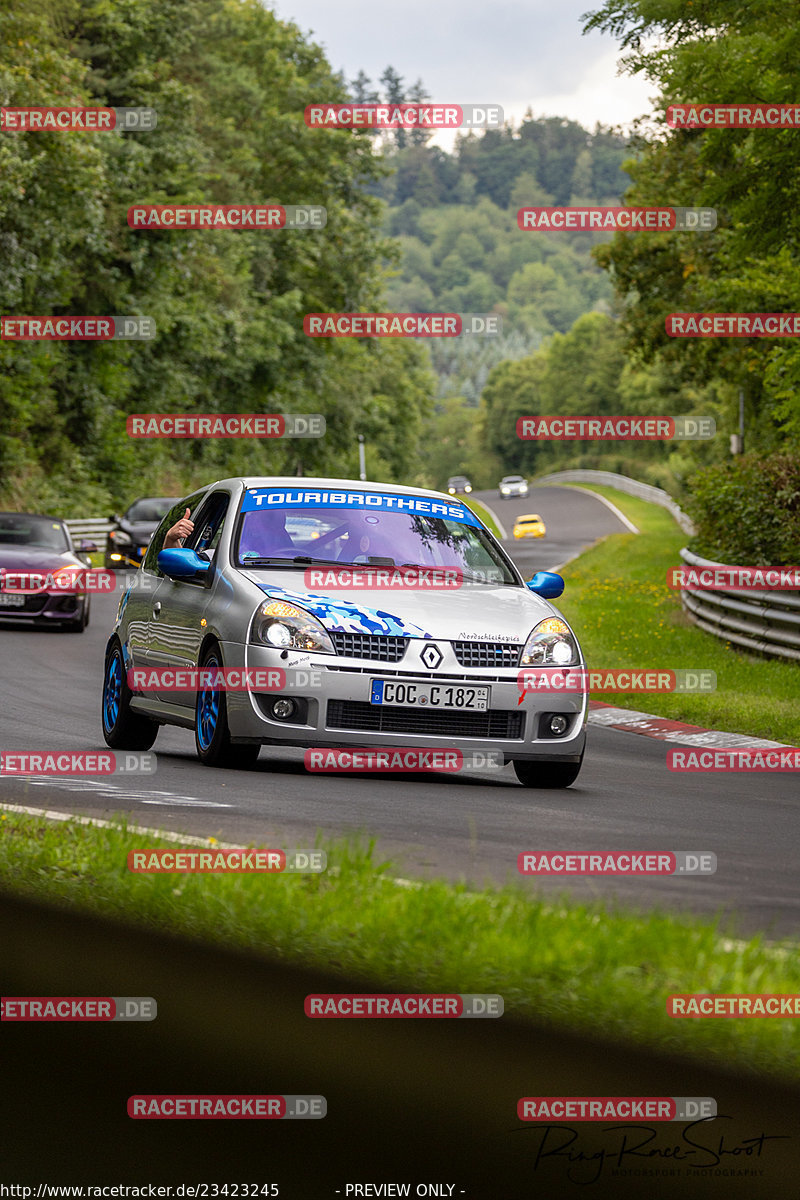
pixel 437 677
pixel 377 646
pixel 487 654
pixel 380 718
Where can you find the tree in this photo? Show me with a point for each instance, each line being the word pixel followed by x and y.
pixel 748 264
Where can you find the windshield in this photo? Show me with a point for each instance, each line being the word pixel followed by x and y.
pixel 151 510
pixel 365 529
pixel 21 529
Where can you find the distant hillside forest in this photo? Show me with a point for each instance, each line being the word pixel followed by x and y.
pixel 410 226
pixel 455 219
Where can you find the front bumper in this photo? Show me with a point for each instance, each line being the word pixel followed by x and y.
pixel 47 608
pixel 333 698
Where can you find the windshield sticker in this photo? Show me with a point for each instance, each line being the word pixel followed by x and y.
pixel 260 499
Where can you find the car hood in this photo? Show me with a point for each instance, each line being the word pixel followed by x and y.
pixel 140 531
pixel 34 558
pixel 470 613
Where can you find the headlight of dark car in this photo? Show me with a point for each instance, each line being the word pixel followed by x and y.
pixel 285 627
pixel 120 537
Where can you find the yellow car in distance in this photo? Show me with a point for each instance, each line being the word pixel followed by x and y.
pixel 530 525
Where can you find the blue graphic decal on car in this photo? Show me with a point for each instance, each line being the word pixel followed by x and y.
pixel 341 616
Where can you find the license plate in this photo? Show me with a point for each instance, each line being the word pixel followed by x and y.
pixel 429 695
pixel 10 600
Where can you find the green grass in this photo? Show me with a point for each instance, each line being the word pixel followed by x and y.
pixel 579 966
pixel 624 614
pixel 483 513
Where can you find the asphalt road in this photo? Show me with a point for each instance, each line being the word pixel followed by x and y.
pixel 573 519
pixel 471 827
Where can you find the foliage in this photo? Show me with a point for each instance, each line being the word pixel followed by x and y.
pixel 747 511
pixel 229 82
pixel 715 51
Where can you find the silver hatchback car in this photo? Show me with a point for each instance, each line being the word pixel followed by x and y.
pixel 356 615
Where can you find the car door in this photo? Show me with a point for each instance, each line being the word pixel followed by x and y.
pixel 179 606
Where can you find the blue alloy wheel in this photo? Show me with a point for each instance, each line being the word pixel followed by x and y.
pixel 212 736
pixel 123 729
pixel 207 717
pixel 112 691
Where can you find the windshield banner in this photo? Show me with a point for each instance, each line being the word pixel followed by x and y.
pixel 261 499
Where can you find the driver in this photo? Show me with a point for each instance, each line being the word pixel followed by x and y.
pixel 264 534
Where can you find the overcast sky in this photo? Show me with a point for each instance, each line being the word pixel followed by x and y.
pixel 516 53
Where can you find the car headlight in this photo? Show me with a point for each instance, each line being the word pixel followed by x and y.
pixel 452 491
pixel 286 627
pixel 468 488
pixel 551 644
pixel 504 491
pixel 120 537
pixel 68 579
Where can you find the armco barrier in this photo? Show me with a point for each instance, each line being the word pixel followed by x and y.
pixel 417 1101
pixel 623 483
pixel 94 529
pixel 766 622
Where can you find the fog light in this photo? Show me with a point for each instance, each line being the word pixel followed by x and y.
pixel 558 724
pixel 283 709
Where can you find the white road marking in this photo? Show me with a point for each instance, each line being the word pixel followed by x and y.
pixel 49 814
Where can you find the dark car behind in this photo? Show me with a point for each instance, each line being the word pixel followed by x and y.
pixel 130 534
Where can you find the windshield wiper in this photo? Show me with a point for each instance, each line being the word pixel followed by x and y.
pixel 299 560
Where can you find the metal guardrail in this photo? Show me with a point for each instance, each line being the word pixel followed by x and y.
pixel 623 483
pixel 93 528
pixel 767 622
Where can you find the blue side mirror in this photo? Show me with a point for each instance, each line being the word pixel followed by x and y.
pixel 182 564
pixel 546 584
